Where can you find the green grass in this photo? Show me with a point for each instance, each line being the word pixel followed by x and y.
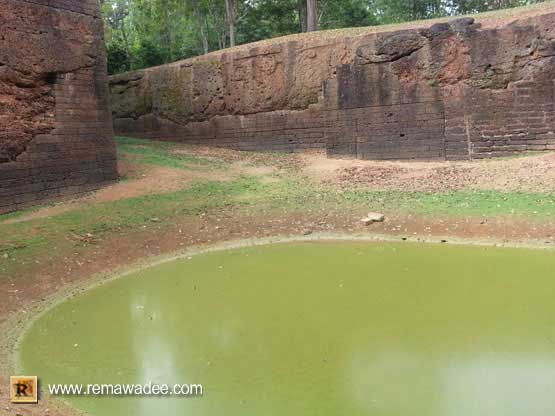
pixel 67 232
pixel 159 153
pixel 458 203
pixel 23 239
pixel 16 214
pixel 249 193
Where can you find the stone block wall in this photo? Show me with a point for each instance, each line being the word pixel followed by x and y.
pixel 276 131
pixel 451 91
pixel 408 131
pixel 56 133
pixel 457 89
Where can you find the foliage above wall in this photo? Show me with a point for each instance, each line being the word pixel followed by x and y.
pixel 144 33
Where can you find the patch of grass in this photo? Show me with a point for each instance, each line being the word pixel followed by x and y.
pixel 519 155
pixel 24 211
pixel 158 153
pixel 22 239
pixel 458 203
pixel 15 214
pixel 66 232
pixel 251 193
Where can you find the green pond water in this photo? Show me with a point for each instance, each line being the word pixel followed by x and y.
pixel 315 329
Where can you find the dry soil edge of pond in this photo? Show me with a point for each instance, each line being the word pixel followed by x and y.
pixel 14 329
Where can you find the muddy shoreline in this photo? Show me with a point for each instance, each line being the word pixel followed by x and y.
pixel 249 198
pixel 13 325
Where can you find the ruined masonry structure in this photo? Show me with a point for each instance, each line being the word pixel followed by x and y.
pixel 56 135
pixel 457 90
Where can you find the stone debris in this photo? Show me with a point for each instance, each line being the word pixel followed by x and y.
pixel 373 217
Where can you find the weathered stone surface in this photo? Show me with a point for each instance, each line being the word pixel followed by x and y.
pixel 56 135
pixel 373 217
pixel 452 90
pixel 390 48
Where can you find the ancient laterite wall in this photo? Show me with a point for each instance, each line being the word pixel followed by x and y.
pixel 455 90
pixel 56 135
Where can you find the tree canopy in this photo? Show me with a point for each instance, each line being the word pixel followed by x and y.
pixel 144 33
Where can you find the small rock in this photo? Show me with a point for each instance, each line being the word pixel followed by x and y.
pixel 155 219
pixel 373 217
pixel 376 216
pixel 307 232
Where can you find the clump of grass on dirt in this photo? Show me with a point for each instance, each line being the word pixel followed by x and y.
pixel 286 190
pixel 159 154
pixel 92 221
pixel 15 214
pixel 458 203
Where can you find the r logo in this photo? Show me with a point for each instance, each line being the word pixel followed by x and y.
pixel 24 389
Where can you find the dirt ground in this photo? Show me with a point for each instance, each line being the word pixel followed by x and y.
pixel 34 283
pixel 532 173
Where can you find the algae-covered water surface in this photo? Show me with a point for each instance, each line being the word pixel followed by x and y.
pixel 315 329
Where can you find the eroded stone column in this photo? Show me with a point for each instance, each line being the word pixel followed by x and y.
pixel 56 135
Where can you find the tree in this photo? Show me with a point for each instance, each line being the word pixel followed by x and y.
pixel 345 13
pixel 115 15
pixel 230 16
pixel 263 19
pixel 118 58
pixel 394 11
pixel 200 23
pixel 475 6
pixel 142 33
pixel 311 15
pixel 302 15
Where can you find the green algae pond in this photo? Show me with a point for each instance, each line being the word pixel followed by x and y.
pixel 314 328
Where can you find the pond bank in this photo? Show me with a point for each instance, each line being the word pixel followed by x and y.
pixel 13 325
pixel 175 198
